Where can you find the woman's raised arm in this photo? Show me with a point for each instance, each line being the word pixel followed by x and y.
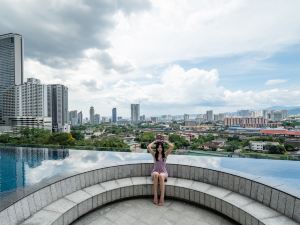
pixel 149 147
pixel 170 149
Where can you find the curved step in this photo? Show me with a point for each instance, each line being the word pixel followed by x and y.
pixel 242 209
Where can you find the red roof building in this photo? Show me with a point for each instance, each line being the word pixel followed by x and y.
pixel 281 132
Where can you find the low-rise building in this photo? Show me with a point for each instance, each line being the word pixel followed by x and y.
pixel 261 145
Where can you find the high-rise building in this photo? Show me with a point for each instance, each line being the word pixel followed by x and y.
pixel 278 115
pixel 186 117
pixel 11 63
pixel 97 119
pixel 142 118
pixel 154 119
pixel 26 105
pixel 80 118
pixel 209 115
pixel 244 113
pixel 114 115
pixel 92 115
pixel 135 113
pixel 284 114
pixel 73 117
pixel 104 119
pixel 31 99
pixel 265 114
pixel 58 107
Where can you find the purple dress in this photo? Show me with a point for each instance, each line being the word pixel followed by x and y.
pixel 160 166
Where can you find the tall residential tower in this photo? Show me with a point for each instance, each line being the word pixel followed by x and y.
pixel 92 115
pixel 58 106
pixel 114 115
pixel 135 113
pixel 11 63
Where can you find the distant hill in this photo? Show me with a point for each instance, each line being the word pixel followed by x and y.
pixel 292 110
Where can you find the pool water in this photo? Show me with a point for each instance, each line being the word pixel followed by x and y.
pixel 23 167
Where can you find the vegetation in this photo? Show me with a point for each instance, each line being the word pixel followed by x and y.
pixel 40 137
pixel 275 149
pixel 145 138
pixel 196 142
pixel 119 130
pixel 179 142
pixel 290 123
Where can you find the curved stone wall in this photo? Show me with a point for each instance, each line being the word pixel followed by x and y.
pixel 218 190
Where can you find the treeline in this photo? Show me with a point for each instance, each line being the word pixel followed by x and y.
pixel 235 142
pixel 28 136
pixel 232 143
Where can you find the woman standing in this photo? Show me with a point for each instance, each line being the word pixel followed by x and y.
pixel 159 172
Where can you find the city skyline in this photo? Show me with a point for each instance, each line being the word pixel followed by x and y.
pixel 143 52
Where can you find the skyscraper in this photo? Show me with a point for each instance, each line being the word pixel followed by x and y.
pixel 114 115
pixel 135 113
pixel 186 117
pixel 92 115
pixel 80 118
pixel 97 119
pixel 209 115
pixel 11 63
pixel 73 117
pixel 58 106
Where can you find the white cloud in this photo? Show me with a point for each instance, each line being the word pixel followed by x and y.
pixel 275 82
pixel 140 56
pixel 183 30
pixel 174 91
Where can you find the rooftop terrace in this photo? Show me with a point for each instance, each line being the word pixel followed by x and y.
pixel 246 191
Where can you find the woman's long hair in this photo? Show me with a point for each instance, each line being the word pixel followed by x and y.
pixel 162 152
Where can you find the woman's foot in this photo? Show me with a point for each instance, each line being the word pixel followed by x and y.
pixel 161 202
pixel 155 201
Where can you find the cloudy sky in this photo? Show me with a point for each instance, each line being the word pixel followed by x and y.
pixel 171 56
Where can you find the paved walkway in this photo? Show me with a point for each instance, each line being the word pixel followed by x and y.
pixel 143 211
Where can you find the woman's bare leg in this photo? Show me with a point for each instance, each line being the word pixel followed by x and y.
pixel 155 184
pixel 162 188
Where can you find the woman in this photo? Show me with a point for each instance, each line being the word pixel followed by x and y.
pixel 159 172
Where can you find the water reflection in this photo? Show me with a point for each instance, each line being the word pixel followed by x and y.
pixel 25 167
pixel 77 161
pixel 14 163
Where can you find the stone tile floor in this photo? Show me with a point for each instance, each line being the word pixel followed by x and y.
pixel 143 211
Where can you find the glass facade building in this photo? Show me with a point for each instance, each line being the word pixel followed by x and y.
pixel 11 64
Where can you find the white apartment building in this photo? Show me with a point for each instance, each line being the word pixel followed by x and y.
pixel 260 145
pixel 26 105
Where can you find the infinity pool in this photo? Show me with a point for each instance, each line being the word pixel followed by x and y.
pixel 25 167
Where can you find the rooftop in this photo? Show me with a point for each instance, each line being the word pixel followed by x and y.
pixel 143 211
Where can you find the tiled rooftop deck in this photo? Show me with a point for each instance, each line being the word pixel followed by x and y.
pixel 144 212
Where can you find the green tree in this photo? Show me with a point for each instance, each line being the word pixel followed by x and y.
pixel 275 149
pixel 289 147
pixel 78 135
pixel 231 146
pixel 64 139
pixel 111 142
pixel 4 138
pixel 178 141
pixel 34 136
